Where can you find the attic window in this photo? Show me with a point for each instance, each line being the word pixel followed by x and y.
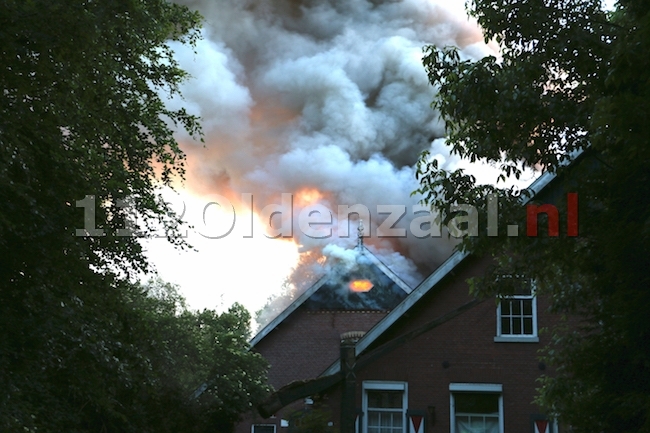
pixel 517 317
pixel 360 285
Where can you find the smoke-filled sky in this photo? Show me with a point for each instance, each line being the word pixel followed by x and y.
pixel 324 100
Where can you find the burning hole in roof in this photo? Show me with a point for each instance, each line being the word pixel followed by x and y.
pixel 365 287
pixel 360 285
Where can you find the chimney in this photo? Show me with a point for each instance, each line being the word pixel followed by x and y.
pixel 348 396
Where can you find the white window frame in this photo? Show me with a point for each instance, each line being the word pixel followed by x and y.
pixel 275 428
pixel 518 338
pixel 474 388
pixel 374 385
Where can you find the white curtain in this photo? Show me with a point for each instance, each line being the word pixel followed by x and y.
pixel 477 425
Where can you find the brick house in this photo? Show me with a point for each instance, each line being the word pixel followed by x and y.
pixel 431 359
pixel 305 338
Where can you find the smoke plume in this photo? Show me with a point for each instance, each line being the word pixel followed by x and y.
pixel 324 99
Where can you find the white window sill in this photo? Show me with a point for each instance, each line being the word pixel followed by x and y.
pixel 516 339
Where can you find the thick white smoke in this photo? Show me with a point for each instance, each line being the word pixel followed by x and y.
pixel 324 95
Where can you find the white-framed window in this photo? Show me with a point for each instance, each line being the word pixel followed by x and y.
pixel 384 406
pixel 476 408
pixel 517 317
pixel 263 428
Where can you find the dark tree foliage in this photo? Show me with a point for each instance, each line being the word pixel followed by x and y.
pixel 81 116
pixel 197 372
pixel 571 79
pixel 316 419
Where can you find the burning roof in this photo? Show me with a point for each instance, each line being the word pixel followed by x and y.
pixel 365 287
pixel 378 289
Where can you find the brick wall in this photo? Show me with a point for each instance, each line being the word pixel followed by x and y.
pixel 302 347
pixel 462 350
pixel 307 342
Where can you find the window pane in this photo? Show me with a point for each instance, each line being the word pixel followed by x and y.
pixel 385 399
pixel 484 403
pixel 516 326
pixel 476 412
pixel 385 421
pixel 528 307
pixel 385 411
pixel 477 425
pixel 528 325
pixel 263 428
pixel 524 289
pixel 505 307
pixel 505 325
pixel 516 307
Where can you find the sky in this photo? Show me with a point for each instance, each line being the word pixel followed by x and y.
pixel 320 102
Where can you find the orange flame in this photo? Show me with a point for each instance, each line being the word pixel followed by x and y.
pixel 361 285
pixel 308 196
